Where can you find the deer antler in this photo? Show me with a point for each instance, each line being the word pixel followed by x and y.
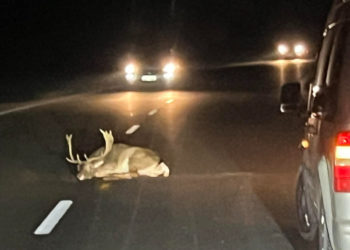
pixel 71 159
pixel 109 140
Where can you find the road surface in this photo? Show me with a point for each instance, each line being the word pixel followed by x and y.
pixel 233 161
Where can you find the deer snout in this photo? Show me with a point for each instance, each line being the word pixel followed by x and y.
pixel 80 176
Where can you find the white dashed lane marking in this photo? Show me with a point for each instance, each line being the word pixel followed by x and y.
pixel 132 129
pixel 170 101
pixel 53 218
pixel 152 112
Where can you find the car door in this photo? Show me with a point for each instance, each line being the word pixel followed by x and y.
pixel 319 126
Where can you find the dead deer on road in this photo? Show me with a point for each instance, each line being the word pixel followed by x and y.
pixel 117 161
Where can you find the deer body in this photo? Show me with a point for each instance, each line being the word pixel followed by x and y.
pixel 118 161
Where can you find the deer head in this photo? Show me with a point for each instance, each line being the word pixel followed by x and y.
pixel 88 167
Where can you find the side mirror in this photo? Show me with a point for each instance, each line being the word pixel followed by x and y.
pixel 290 97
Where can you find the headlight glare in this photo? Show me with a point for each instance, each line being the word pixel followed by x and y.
pixel 168 76
pixel 130 68
pixel 169 68
pixel 130 78
pixel 283 49
pixel 300 50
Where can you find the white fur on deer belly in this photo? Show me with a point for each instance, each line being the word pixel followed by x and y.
pixel 110 169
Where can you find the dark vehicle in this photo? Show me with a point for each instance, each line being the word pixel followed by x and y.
pixel 152 60
pixel 152 70
pixel 323 187
pixel 292 50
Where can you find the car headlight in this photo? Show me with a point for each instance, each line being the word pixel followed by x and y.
pixel 130 68
pixel 300 50
pixel 169 76
pixel 169 68
pixel 130 78
pixel 283 49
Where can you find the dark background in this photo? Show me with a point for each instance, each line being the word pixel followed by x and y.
pixel 47 41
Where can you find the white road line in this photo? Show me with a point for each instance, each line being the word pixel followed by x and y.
pixel 26 107
pixel 153 112
pixel 53 218
pixel 170 101
pixel 132 129
pixel 37 104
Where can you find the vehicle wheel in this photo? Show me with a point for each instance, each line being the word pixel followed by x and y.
pixel 323 235
pixel 307 222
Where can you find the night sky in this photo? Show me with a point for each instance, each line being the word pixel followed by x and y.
pixel 76 37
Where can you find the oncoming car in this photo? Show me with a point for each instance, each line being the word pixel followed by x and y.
pixel 323 186
pixel 292 50
pixel 152 73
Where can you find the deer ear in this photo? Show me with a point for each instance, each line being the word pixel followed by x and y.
pixel 98 164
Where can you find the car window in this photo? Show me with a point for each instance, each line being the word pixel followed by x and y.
pixel 344 74
pixel 338 70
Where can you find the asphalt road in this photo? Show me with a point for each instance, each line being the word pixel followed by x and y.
pixel 233 161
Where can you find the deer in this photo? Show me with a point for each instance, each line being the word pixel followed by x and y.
pixel 116 161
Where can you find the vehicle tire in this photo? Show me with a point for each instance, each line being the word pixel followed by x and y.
pixel 323 235
pixel 307 222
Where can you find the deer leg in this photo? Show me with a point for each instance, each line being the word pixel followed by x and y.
pixel 152 171
pixel 165 169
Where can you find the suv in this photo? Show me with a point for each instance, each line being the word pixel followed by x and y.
pixel 323 186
